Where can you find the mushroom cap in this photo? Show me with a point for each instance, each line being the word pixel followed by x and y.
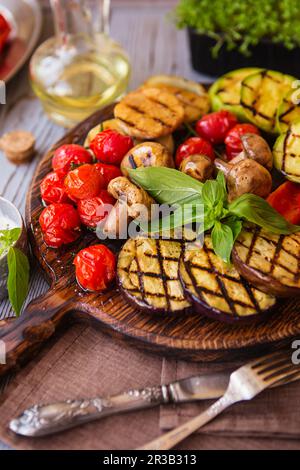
pixel 248 176
pixel 197 166
pixel 146 154
pixel 256 148
pixel 122 188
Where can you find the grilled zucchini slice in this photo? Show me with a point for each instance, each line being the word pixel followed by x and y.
pixel 217 290
pixel 148 275
pixel 192 96
pixel 270 262
pixel 261 95
pixel 225 93
pixel 286 153
pixel 288 111
pixel 166 140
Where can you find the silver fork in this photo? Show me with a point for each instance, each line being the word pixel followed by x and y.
pixel 245 383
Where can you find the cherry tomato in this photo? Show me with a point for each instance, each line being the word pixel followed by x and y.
pixel 109 172
pixel 110 147
pixel 214 126
pixel 60 224
pixel 94 210
pixel 84 182
pixel 5 30
pixel 233 139
pixel 68 155
pixel 192 146
pixel 95 267
pixel 53 189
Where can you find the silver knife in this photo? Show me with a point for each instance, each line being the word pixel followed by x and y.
pixel 42 420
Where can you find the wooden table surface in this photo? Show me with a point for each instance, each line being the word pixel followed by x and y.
pixel 154 46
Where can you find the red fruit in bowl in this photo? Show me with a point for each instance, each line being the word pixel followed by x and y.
pixel 68 156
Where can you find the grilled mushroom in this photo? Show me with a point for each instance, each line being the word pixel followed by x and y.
pixel 132 202
pixel 197 166
pixel 146 154
pixel 246 176
pixel 256 148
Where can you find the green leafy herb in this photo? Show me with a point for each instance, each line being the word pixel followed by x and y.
pixel 18 278
pixel 207 205
pixel 242 24
pixel 8 238
pixel 166 185
pixel 257 210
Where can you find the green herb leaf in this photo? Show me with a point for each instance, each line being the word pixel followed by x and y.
pixel 222 240
pixel 18 278
pixel 166 185
pixel 235 224
pixel 255 209
pixel 8 238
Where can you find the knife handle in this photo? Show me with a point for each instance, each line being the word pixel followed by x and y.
pixel 42 420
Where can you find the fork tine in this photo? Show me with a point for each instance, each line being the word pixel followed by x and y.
pixel 287 380
pixel 279 362
pixel 269 358
pixel 277 374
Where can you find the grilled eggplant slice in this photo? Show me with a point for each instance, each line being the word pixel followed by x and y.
pixel 270 262
pixel 148 275
pixel 217 290
pixel 261 95
pixel 192 96
pixel 166 140
pixel 286 153
pixel 149 113
pixel 225 93
pixel 288 111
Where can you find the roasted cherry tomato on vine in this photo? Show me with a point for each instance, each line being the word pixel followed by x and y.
pixel 94 210
pixel 68 156
pixel 84 182
pixel 95 267
pixel 109 172
pixel 110 147
pixel 192 146
pixel 233 139
pixel 286 200
pixel 5 30
pixel 53 189
pixel 214 126
pixel 60 224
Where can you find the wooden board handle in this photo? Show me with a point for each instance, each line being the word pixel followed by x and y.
pixel 39 321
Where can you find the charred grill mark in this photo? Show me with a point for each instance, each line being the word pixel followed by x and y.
pixel 155 294
pixel 255 112
pixel 251 295
pixel 198 290
pixel 285 143
pixel 276 254
pixel 252 245
pixel 163 274
pixel 140 276
pixel 221 283
pixel 249 87
pixel 132 161
pixel 289 110
pixel 165 258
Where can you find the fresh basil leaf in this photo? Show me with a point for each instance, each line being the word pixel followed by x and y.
pixel 255 209
pixel 166 185
pixel 18 278
pixel 235 224
pixel 212 193
pixel 222 183
pixel 8 238
pixel 222 240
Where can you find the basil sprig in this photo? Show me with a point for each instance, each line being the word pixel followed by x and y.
pixel 18 268
pixel 225 220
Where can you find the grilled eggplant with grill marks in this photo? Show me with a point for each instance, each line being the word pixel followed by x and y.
pixel 269 261
pixel 148 275
pixel 217 290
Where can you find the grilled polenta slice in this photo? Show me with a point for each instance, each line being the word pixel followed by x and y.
pixel 261 95
pixel 286 153
pixel 149 113
pixel 192 96
pixel 225 93
pixel 166 140
pixel 217 290
pixel 269 261
pixel 146 154
pixel 148 275
pixel 288 111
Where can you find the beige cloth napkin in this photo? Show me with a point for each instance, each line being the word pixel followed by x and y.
pixel 274 413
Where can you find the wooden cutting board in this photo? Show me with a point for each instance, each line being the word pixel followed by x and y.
pixel 190 337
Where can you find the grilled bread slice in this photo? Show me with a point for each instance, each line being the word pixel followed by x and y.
pixel 261 95
pixel 148 275
pixel 286 153
pixel 149 113
pixel 192 96
pixel 217 290
pixel 269 261
pixel 225 93
pixel 166 140
pixel 146 154
pixel 288 111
